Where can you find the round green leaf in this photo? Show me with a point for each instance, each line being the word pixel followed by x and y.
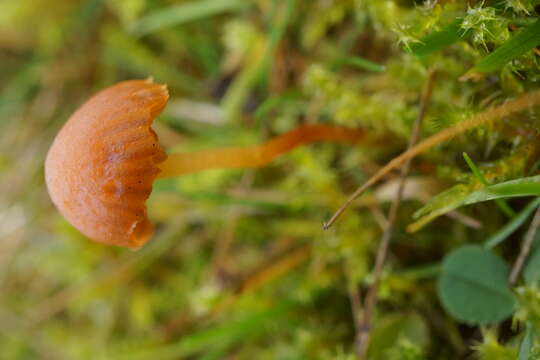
pixel 473 286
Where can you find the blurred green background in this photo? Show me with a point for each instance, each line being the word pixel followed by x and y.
pixel 239 267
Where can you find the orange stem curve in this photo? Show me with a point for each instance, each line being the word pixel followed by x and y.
pixel 257 155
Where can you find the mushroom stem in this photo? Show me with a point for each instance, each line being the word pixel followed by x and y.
pixel 257 155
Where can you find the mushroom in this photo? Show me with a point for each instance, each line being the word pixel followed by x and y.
pixel 101 166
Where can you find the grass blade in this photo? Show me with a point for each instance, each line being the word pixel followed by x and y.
pixel 513 225
pixel 528 186
pixel 358 62
pixel 125 52
pixel 18 88
pixel 183 13
pixel 438 40
pixel 501 203
pixel 526 343
pixel 215 340
pixel 518 45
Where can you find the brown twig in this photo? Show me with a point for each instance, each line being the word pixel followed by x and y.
pixel 525 247
pixel 356 309
pixel 523 102
pixel 362 337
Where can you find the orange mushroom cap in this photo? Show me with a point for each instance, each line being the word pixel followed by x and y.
pixel 102 164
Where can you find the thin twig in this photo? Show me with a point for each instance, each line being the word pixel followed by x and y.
pixel 465 219
pixel 523 102
pixel 356 309
pixel 525 247
pixel 362 337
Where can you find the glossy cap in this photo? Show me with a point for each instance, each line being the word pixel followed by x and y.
pixel 102 164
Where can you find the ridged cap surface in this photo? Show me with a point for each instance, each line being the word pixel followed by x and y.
pixel 102 164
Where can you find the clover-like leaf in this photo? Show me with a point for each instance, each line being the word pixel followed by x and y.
pixel 473 286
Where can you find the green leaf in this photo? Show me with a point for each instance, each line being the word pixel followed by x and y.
pixel 460 195
pixel 518 45
pixel 473 286
pixel 438 40
pixel 183 13
pixel 512 225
